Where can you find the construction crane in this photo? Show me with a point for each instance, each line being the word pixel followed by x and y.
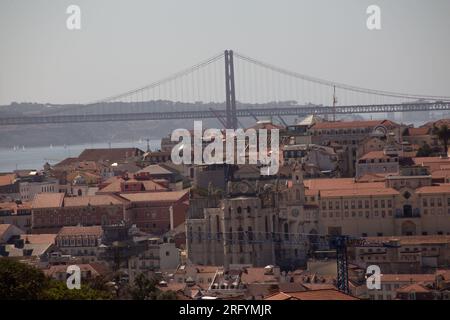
pixel 341 243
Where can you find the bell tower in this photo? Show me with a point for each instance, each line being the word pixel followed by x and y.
pixel 297 190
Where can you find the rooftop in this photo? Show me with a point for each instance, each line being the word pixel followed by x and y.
pixel 48 200
pixel 7 179
pixel 97 200
pixel 165 196
pixel 109 154
pixel 442 188
pixel 353 124
pixel 376 155
pixel 322 294
pixel 78 231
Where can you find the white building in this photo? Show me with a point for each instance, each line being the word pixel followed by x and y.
pixel 29 189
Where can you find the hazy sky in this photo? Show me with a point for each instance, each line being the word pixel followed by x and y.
pixel 126 44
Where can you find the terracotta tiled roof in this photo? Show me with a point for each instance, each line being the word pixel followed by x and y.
pixel 438 123
pixel 359 192
pixel 97 200
pixel 63 269
pixel 325 294
pixel 419 131
pixel 434 163
pixel 111 155
pixel 48 200
pixel 352 124
pixel 415 287
pixel 265 125
pixel 66 162
pixel 4 227
pixel 375 155
pixel 442 188
pixel 413 240
pixel 7 179
pixel 148 185
pixel 39 238
pixel 13 206
pixel 347 187
pixel 81 231
pixel 257 275
pixel 169 196
pixel 156 169
pixel 407 278
pixel 340 183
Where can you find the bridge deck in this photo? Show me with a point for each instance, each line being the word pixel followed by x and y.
pixel 247 112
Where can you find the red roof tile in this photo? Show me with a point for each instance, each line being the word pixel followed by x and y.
pixel 48 200
pixel 325 294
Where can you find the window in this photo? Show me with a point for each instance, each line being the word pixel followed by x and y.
pixel 367 204
pixel 425 202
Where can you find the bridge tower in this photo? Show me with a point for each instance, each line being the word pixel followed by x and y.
pixel 230 96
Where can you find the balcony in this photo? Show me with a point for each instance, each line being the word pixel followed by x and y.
pixel 407 212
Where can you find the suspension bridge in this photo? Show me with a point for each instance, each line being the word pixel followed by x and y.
pixel 229 86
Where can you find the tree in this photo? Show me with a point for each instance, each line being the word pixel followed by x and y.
pixel 19 281
pixel 443 134
pixel 57 290
pixel 143 287
pixel 146 289
pixel 424 151
pixel 167 295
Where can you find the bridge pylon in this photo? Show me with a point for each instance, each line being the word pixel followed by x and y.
pixel 230 96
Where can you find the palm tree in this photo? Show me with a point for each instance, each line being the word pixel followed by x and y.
pixel 443 134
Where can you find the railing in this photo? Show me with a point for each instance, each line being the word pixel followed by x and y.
pixel 408 216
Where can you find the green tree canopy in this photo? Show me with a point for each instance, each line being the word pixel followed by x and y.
pixel 19 281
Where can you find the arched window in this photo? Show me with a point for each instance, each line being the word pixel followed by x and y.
pixel 239 210
pixel 250 234
pixel 249 209
pixel 297 194
pixel 240 234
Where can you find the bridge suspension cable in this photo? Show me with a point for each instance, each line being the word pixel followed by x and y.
pixel 340 85
pixel 165 80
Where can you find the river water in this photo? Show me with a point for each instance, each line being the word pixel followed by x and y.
pixel 20 157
